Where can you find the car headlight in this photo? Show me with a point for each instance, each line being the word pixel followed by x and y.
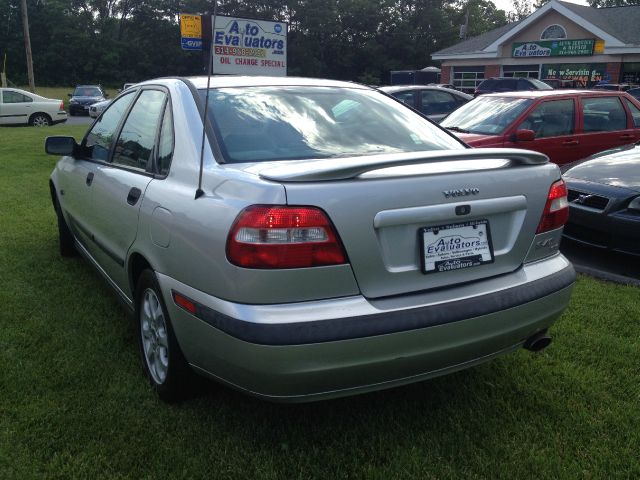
pixel 73 101
pixel 634 204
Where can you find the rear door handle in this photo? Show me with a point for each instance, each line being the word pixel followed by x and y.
pixel 89 179
pixel 570 142
pixel 627 136
pixel 134 195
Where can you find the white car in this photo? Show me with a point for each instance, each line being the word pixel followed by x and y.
pixel 19 107
pixel 97 108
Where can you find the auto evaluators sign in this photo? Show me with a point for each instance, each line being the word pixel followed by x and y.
pixel 244 46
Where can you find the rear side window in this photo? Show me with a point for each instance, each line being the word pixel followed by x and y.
pixel 603 114
pixel 524 84
pixel 137 139
pixel 15 97
pixel 165 147
pixel 99 139
pixel 635 113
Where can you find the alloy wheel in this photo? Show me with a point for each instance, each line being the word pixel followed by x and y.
pixel 155 342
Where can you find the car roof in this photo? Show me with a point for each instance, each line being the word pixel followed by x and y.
pixel 399 88
pixel 554 93
pixel 263 81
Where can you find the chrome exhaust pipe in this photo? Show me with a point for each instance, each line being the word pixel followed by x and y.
pixel 537 342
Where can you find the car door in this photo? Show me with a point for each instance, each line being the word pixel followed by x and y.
pixel 554 125
pixel 16 108
pixel 120 183
pixel 605 125
pixel 77 175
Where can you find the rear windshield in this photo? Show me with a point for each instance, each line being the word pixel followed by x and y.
pixel 487 115
pixel 256 124
pixel 87 92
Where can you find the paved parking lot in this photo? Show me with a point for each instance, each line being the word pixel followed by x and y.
pixel 79 120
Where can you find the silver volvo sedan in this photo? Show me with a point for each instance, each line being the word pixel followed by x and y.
pixel 317 239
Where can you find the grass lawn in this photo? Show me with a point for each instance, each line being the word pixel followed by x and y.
pixel 74 402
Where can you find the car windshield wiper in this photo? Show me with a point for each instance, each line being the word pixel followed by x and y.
pixel 457 129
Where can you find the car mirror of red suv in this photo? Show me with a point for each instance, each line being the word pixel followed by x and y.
pixel 523 135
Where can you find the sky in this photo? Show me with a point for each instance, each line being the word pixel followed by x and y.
pixel 507 6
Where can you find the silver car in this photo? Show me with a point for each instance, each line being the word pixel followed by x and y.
pixel 318 239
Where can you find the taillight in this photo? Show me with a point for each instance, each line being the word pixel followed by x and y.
pixel 266 236
pixel 556 210
pixel 61 105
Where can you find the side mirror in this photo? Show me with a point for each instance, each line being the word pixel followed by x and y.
pixel 59 145
pixel 525 135
pixel 70 95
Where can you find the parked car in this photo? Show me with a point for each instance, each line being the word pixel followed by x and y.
pixel 564 125
pixel 19 107
pixel 634 92
pixel 337 242
pixel 604 201
pixel 621 87
pixel 83 97
pixel 509 84
pixel 557 83
pixel 97 108
pixel 434 101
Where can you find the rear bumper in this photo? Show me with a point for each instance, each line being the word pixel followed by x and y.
pixel 313 350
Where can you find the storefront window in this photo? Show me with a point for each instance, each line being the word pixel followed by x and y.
pixel 467 78
pixel 585 74
pixel 529 71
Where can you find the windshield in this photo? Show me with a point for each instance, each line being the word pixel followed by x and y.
pixel 487 115
pixel 87 92
pixel 540 84
pixel 283 123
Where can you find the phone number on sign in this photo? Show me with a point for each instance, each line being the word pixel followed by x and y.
pixel 241 52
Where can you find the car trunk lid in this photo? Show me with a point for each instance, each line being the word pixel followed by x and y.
pixel 388 210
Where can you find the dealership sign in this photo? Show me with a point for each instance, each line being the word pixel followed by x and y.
pixel 553 48
pixel 587 73
pixel 240 46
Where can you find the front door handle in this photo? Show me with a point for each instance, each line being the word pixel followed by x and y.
pixel 89 179
pixel 570 143
pixel 134 195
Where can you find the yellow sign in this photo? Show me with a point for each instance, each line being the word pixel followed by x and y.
pixel 598 47
pixel 190 26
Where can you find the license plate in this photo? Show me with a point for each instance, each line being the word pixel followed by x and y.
pixel 456 246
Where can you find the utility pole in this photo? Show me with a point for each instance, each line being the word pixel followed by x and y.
pixel 27 46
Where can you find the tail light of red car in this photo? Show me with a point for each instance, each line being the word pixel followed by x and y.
pixel 556 210
pixel 271 236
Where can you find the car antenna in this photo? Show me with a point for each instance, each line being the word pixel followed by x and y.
pixel 199 191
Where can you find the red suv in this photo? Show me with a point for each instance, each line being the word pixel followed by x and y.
pixel 565 125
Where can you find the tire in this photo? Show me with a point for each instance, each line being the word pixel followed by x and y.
pixel 71 113
pixel 40 120
pixel 65 237
pixel 162 360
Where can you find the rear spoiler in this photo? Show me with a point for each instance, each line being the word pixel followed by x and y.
pixel 351 167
